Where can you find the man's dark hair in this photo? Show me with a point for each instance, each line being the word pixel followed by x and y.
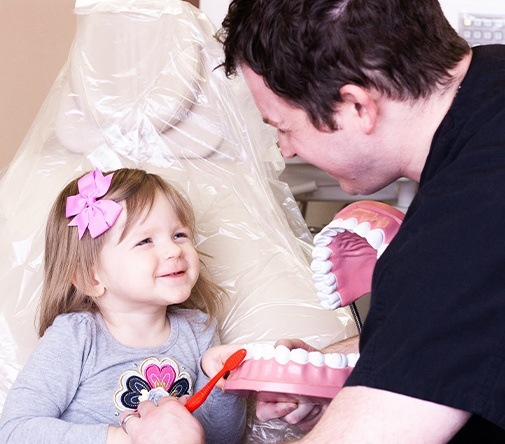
pixel 306 50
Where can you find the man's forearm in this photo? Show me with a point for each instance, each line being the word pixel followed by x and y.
pixel 349 345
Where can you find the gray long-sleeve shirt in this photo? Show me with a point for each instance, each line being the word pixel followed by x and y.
pixel 79 379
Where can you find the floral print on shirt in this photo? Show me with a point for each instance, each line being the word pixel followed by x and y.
pixel 152 374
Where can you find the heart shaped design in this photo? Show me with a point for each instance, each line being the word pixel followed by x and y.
pixel 163 376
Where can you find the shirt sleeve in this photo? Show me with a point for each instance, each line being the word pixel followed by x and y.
pixel 46 386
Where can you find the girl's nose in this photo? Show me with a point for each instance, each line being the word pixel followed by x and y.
pixel 171 250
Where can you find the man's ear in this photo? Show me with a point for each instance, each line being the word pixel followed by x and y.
pixel 90 285
pixel 365 106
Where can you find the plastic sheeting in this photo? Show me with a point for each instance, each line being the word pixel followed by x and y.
pixel 141 88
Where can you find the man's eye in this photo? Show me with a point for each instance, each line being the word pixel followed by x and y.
pixel 145 241
pixel 181 235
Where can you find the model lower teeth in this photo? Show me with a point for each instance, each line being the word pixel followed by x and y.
pixel 283 355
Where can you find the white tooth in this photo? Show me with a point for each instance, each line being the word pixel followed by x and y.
pixel 321 267
pixel 316 358
pixel 318 278
pixel 315 265
pixel 257 351
pixel 250 351
pixel 330 279
pixel 326 306
pixel 330 302
pixel 350 224
pixel 321 253
pixel 268 351
pixel 320 286
pixel 333 231
pixel 334 298
pixel 335 360
pixel 326 279
pixel 362 229
pixel 323 288
pixel 375 238
pixel 330 299
pixel 328 289
pixel 337 223
pixel 320 240
pixel 352 358
pixel 381 250
pixel 282 354
pixel 299 355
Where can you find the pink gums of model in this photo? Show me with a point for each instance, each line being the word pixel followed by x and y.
pixel 344 256
pixel 346 250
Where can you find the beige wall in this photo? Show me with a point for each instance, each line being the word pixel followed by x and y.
pixel 35 37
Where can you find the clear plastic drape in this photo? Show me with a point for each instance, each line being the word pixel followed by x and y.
pixel 142 88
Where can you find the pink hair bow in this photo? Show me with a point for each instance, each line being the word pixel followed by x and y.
pixel 95 215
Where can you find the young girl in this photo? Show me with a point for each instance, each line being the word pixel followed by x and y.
pixel 124 312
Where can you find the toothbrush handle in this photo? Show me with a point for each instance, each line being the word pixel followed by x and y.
pixel 231 363
pixel 201 395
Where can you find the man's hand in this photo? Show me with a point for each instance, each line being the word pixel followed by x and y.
pixel 170 421
pixel 305 415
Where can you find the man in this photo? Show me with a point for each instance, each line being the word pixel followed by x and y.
pixel 371 91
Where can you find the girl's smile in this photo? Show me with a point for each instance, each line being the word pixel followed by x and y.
pixel 153 266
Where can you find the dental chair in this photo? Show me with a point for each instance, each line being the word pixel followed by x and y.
pixel 141 88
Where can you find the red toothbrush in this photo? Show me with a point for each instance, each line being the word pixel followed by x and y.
pixel 230 364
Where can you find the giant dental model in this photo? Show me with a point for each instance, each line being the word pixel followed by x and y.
pixel 271 373
pixel 344 256
pixel 346 250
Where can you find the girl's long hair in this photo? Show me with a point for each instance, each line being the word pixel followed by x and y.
pixel 69 261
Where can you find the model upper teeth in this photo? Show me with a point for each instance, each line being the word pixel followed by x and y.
pixel 325 281
pixel 283 355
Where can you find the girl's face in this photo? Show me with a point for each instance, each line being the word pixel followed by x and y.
pixel 154 266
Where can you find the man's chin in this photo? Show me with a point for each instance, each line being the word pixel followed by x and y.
pixel 356 189
pixel 349 188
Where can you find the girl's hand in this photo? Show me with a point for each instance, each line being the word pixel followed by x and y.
pixel 213 359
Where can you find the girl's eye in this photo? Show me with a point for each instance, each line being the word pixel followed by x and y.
pixel 180 235
pixel 145 241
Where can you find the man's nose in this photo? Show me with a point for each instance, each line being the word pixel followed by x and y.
pixel 285 150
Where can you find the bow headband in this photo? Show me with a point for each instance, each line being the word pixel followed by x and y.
pixel 90 212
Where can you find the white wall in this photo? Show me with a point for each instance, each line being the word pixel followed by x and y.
pixel 215 10
pixel 452 8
